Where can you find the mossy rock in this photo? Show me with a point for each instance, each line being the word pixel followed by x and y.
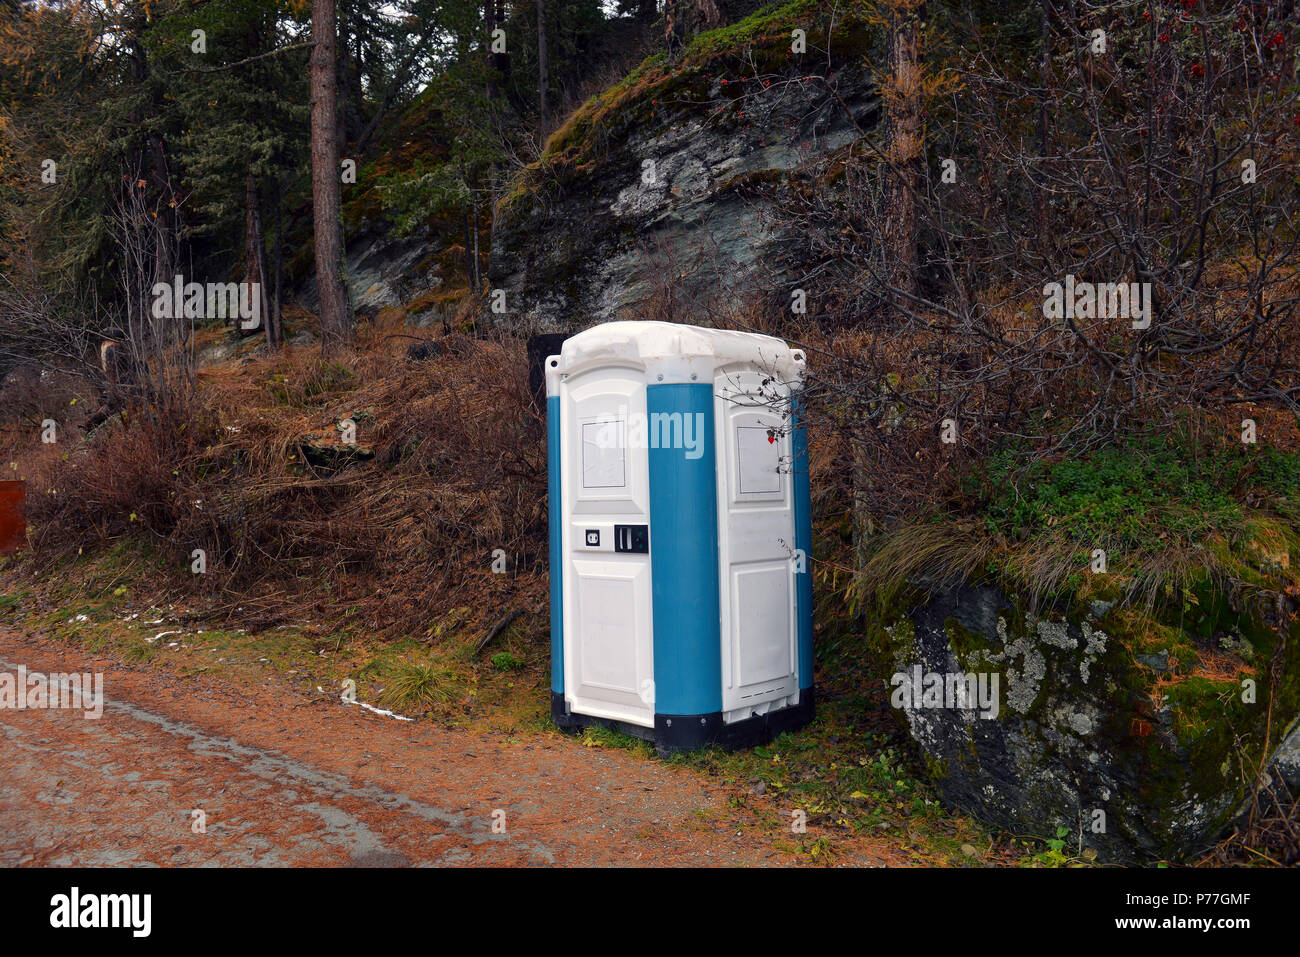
pixel 1148 762
pixel 726 125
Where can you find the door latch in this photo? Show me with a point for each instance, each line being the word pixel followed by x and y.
pixel 632 538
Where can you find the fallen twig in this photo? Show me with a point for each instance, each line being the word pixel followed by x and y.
pixel 496 629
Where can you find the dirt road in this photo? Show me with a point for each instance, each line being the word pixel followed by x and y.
pixel 285 779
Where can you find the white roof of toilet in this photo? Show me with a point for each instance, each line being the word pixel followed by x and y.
pixel 673 352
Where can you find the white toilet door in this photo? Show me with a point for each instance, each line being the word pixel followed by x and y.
pixel 608 626
pixel 756 546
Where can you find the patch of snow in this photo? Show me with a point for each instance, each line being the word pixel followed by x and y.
pixel 380 711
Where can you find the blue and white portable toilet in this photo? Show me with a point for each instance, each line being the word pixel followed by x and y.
pixel 680 527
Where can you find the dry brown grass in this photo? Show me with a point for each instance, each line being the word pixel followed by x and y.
pixel 383 545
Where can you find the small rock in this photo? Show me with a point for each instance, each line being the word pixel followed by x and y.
pixel 425 349
pixel 1158 662
pixel 1099 608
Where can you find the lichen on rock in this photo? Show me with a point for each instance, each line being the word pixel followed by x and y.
pixel 1085 726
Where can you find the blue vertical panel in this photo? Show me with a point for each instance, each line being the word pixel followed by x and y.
pixel 684 555
pixel 557 544
pixel 803 541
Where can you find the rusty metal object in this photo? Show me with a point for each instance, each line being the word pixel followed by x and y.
pixel 13 522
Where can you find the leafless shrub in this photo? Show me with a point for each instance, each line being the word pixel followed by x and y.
pixel 1158 153
pixel 159 370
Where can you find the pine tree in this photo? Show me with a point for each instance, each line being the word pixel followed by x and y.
pixel 336 321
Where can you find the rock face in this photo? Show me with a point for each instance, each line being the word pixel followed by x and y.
pixel 1285 763
pixel 652 187
pixel 383 271
pixel 1080 732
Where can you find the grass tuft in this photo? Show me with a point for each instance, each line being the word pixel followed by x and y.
pixel 418 687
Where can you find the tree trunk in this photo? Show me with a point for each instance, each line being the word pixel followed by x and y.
pixel 356 74
pixel 542 79
pixel 335 310
pixel 708 15
pixel 165 266
pixel 1044 126
pixel 477 261
pixel 263 297
pixel 275 322
pixel 494 13
pixel 469 252
pixel 906 146
pixel 683 19
pixel 498 64
pixel 253 272
pixel 503 63
pixel 489 24
pixel 255 254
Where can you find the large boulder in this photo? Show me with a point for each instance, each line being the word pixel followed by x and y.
pixel 1140 739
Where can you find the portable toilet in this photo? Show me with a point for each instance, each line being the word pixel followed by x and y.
pixel 680 535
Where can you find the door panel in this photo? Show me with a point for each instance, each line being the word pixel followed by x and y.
pixel 756 532
pixel 608 641
pixel 760 605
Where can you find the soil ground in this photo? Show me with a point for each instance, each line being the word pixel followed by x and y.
pixel 285 778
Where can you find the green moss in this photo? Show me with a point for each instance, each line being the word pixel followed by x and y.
pixel 971 648
pixel 760 28
pixel 935 768
pixel 890 635
pixel 651 95
pixel 1201 705
pixel 1152 495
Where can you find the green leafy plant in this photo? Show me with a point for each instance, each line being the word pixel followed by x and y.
pixel 505 661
